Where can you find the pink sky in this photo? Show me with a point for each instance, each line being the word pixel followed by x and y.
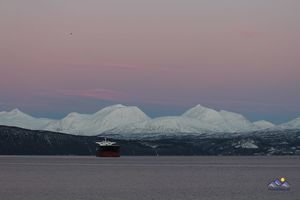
pixel 236 55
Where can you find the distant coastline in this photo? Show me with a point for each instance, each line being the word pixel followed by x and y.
pixel 19 141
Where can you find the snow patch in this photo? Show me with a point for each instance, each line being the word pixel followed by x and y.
pixel 248 144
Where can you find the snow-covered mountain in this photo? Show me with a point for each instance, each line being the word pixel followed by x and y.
pixel 223 120
pixel 20 119
pixel 73 123
pixel 207 116
pixel 120 119
pixel 164 125
pixel 263 124
pixel 294 124
pixel 197 120
pixel 99 122
pixel 237 122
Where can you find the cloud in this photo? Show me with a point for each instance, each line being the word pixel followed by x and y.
pixel 103 94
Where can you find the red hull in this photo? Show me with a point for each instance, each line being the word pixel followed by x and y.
pixel 108 154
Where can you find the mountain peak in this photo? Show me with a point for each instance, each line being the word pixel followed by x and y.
pixel 118 106
pixel 294 124
pixel 200 106
pixel 17 118
pixel 110 108
pixel 16 111
pixel 263 124
pixel 196 110
pixel 72 115
pixel 105 119
pixel 222 120
pixel 263 121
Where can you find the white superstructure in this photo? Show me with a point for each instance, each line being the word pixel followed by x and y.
pixel 105 143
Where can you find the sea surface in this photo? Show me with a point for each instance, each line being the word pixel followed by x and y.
pixel 129 178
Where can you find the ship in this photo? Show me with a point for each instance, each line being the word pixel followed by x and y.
pixel 107 149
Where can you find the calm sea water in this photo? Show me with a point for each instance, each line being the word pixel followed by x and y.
pixel 91 178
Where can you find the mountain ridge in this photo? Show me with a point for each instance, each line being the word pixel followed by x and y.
pixel 121 119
